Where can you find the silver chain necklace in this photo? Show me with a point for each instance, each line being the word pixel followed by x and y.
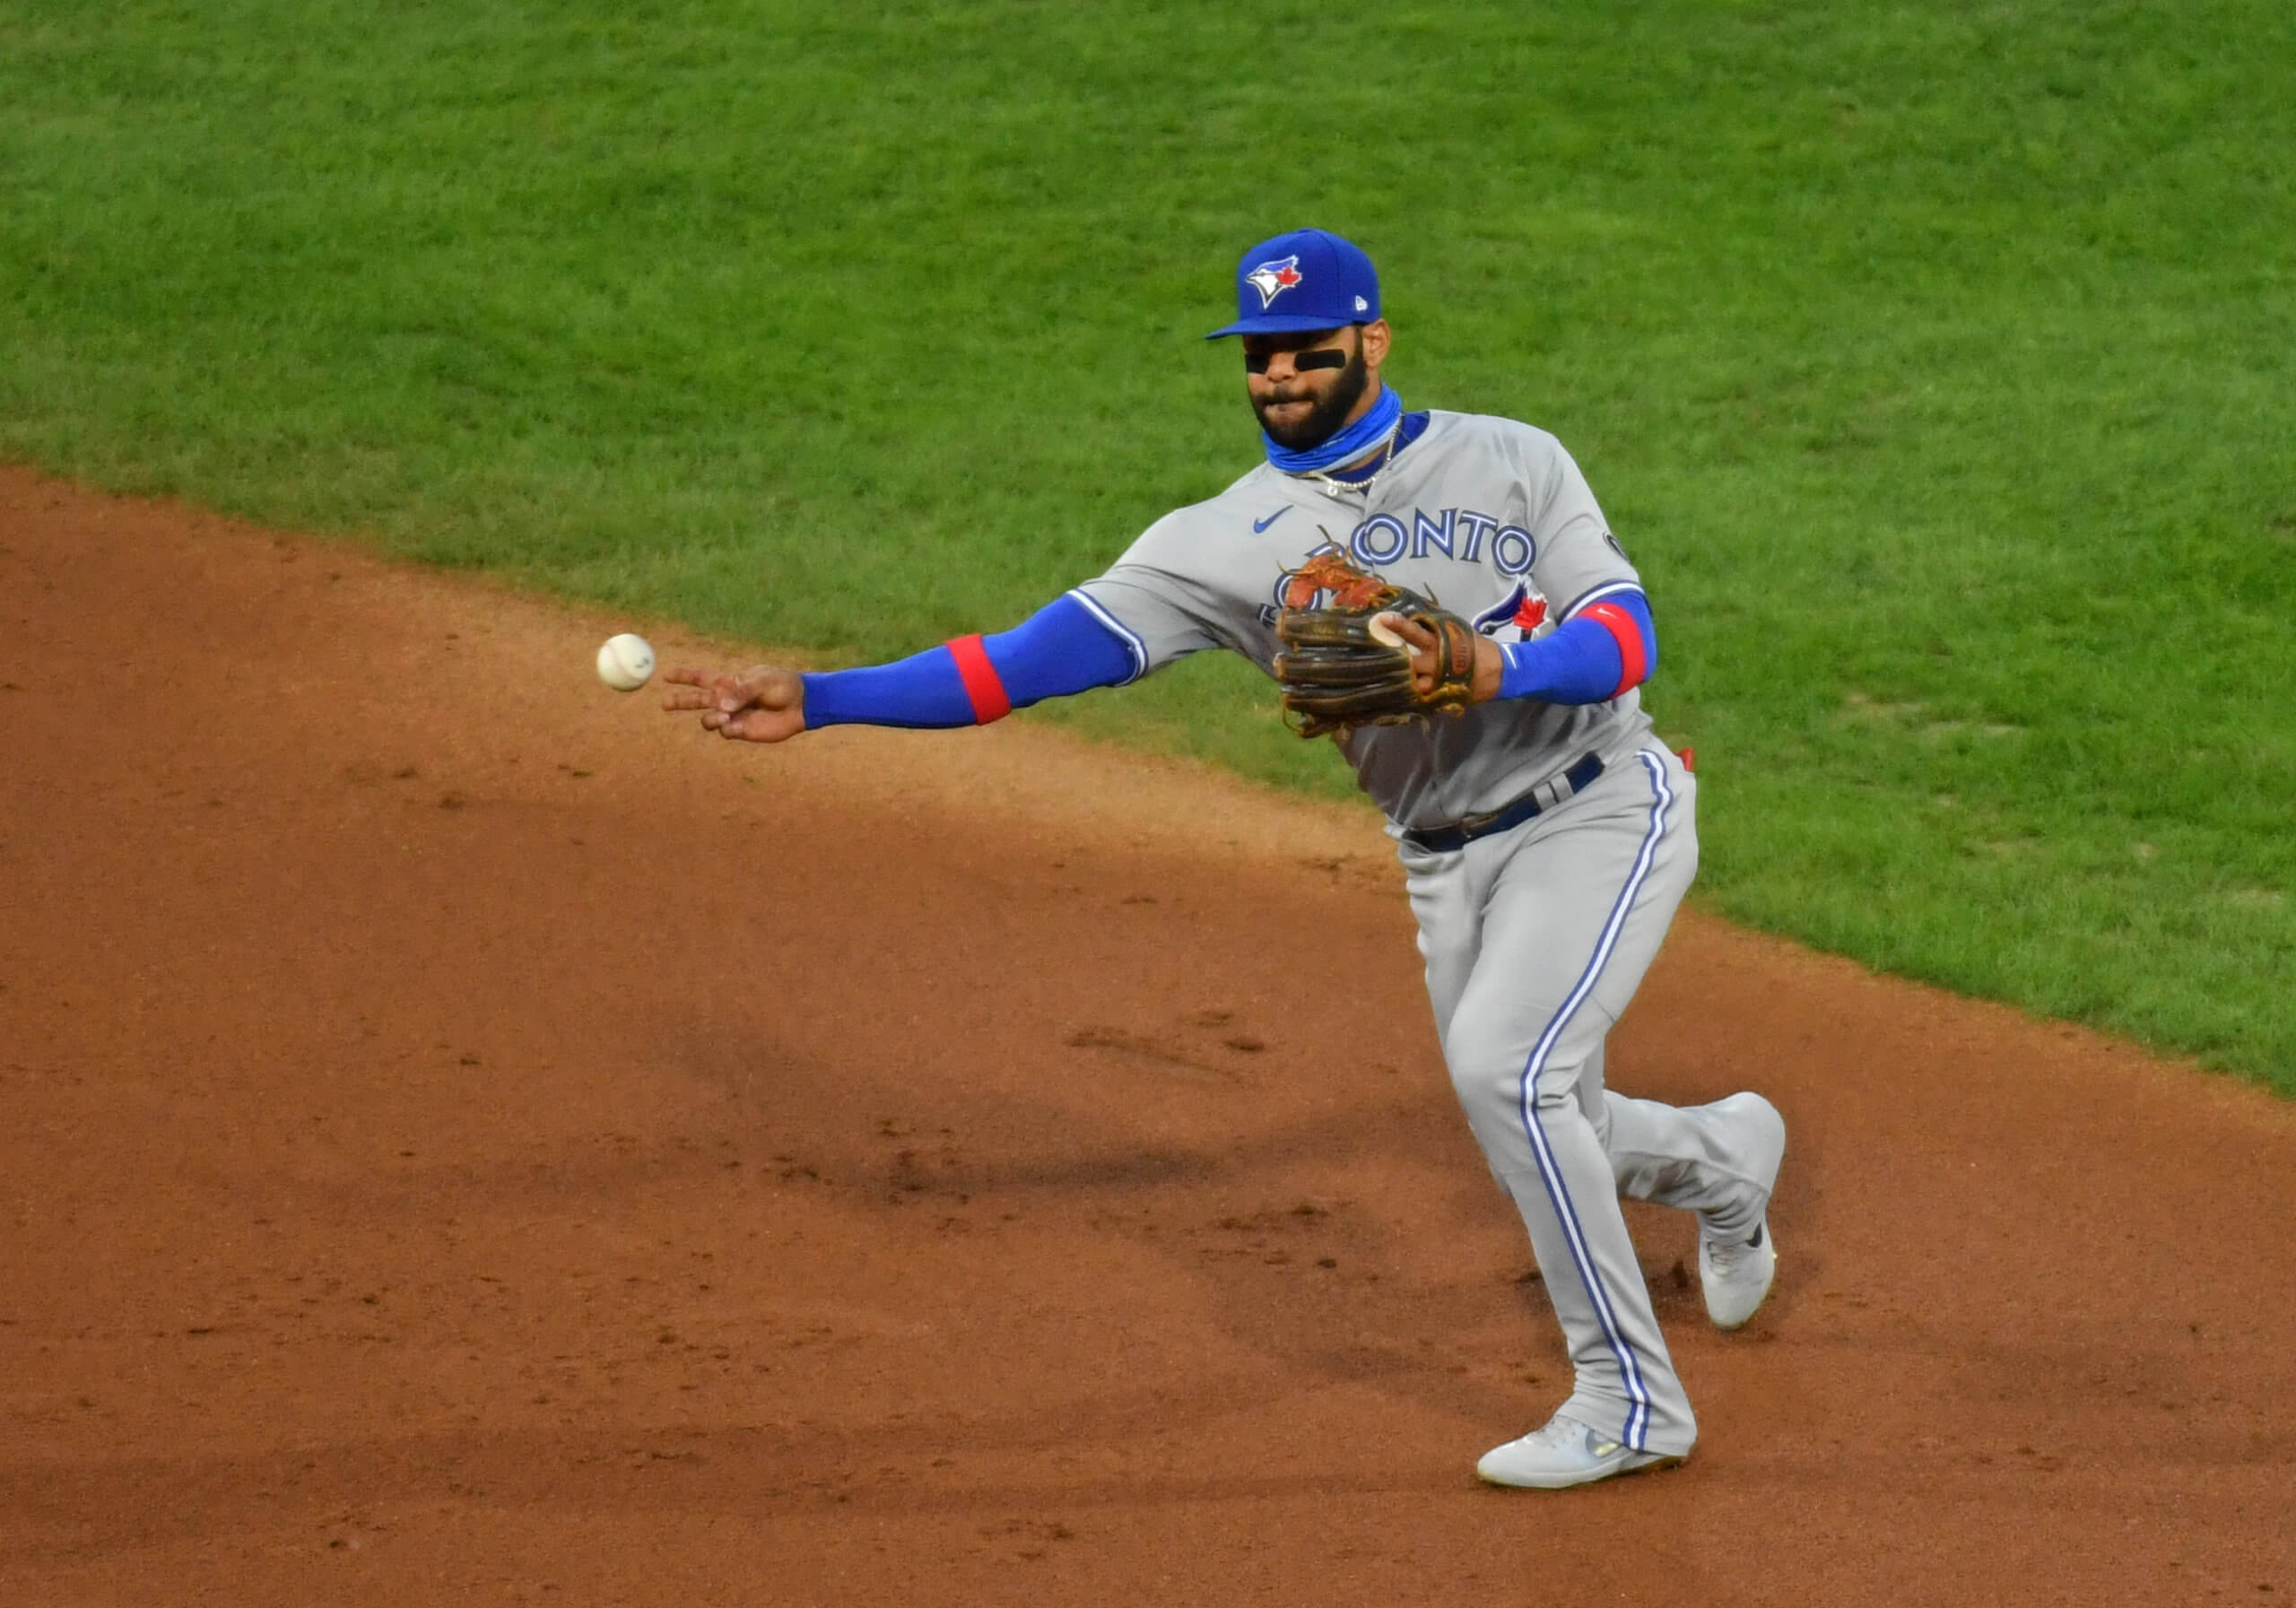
pixel 1334 487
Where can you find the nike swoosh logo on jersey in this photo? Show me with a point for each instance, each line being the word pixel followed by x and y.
pixel 1260 526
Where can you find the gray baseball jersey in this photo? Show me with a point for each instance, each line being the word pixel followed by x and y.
pixel 1489 517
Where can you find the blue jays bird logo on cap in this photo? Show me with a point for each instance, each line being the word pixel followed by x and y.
pixel 1305 279
pixel 1272 278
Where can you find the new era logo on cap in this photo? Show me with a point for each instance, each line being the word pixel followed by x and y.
pixel 1271 280
pixel 1307 280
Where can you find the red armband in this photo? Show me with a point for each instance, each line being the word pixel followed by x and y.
pixel 983 685
pixel 1634 662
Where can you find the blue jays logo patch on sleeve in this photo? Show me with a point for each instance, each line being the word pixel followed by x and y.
pixel 1520 616
pixel 1272 278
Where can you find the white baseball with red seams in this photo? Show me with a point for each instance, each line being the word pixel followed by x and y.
pixel 626 662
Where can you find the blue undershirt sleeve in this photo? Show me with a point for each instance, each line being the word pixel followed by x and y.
pixel 1059 650
pixel 922 691
pixel 1580 661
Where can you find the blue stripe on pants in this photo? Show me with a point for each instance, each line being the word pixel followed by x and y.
pixel 1637 1415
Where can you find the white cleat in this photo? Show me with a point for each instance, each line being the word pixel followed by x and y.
pixel 1736 1274
pixel 1563 1453
pixel 1736 1277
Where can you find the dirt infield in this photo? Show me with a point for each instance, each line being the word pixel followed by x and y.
pixel 470 1137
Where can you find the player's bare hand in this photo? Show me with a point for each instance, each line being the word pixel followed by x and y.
pixel 761 704
pixel 1422 642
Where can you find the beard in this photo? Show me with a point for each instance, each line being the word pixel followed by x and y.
pixel 1324 420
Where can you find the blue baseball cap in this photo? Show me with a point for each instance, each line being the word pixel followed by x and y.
pixel 1308 279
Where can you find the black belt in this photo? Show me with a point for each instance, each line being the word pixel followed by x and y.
pixel 1447 839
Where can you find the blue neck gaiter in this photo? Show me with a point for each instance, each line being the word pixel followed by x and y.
pixel 1348 444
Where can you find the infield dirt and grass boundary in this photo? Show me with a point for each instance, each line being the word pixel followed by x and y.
pixel 472 1138
pixel 1930 360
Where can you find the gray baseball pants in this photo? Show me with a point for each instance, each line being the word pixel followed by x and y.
pixel 1535 940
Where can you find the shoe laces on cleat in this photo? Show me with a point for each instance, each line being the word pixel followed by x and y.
pixel 1560 1431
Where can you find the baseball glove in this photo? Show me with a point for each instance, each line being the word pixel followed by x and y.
pixel 1339 670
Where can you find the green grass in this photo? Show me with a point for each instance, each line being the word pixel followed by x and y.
pixel 1930 360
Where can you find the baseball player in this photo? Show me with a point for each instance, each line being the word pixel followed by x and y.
pixel 1546 837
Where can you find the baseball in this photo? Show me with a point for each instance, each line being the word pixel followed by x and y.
pixel 626 662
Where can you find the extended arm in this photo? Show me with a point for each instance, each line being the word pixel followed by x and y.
pixel 1062 648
